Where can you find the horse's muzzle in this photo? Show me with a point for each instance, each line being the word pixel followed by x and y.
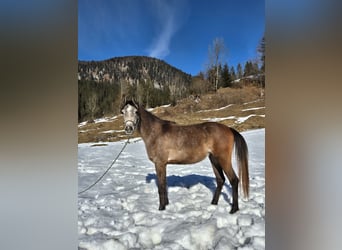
pixel 129 129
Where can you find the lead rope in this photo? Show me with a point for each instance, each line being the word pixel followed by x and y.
pixel 110 166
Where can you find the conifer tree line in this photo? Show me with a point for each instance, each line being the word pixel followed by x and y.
pixel 96 100
pixel 152 82
pixel 219 74
pixel 227 75
pixel 100 99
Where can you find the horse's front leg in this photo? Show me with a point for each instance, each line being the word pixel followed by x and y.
pixel 162 185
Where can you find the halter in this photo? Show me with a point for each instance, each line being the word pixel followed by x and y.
pixel 134 125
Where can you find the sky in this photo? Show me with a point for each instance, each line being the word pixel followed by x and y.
pixel 176 31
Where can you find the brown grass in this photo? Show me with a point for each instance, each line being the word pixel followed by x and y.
pixel 187 111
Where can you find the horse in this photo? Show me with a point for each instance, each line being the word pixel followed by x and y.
pixel 169 143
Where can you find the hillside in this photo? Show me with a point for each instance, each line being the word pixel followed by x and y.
pixel 153 82
pixel 242 109
pixel 133 69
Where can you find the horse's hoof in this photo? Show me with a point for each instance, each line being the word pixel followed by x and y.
pixel 214 203
pixel 233 210
pixel 162 208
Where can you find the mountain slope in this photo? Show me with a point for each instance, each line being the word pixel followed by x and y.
pixel 101 84
pixel 133 69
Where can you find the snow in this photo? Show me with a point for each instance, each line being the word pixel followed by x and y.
pixel 238 119
pixel 246 103
pixel 163 106
pixel 218 109
pixel 257 108
pixel 105 119
pixel 121 211
pixel 112 131
pixel 243 119
pixel 219 119
pixel 99 120
pixel 82 124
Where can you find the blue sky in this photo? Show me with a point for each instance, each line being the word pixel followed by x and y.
pixel 176 31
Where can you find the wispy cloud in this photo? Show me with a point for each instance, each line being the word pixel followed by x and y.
pixel 160 48
pixel 171 16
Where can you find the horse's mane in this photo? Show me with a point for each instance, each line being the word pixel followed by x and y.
pixel 154 117
pixel 130 102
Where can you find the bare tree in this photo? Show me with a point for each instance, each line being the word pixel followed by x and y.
pixel 216 55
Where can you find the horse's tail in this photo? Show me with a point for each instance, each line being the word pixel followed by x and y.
pixel 241 151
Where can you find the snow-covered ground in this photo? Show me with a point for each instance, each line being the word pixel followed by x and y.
pixel 121 211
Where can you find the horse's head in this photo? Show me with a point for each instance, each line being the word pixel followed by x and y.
pixel 131 116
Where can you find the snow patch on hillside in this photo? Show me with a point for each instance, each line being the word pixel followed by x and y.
pixel 250 109
pixel 218 109
pixel 238 119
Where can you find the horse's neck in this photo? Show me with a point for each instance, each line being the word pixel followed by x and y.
pixel 148 122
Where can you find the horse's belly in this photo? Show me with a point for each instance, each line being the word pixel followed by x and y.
pixel 185 157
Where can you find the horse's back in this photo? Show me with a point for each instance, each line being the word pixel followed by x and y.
pixel 217 129
pixel 201 132
pixel 220 137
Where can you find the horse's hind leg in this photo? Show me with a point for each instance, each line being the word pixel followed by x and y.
pixel 219 178
pixel 162 190
pixel 234 181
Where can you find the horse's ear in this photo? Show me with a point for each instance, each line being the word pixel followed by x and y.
pixel 135 103
pixel 123 101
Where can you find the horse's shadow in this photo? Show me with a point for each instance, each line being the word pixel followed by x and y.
pixel 191 180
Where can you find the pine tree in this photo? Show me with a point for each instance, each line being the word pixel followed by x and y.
pixel 261 51
pixel 225 76
pixel 254 68
pixel 232 73
pixel 239 71
pixel 248 70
